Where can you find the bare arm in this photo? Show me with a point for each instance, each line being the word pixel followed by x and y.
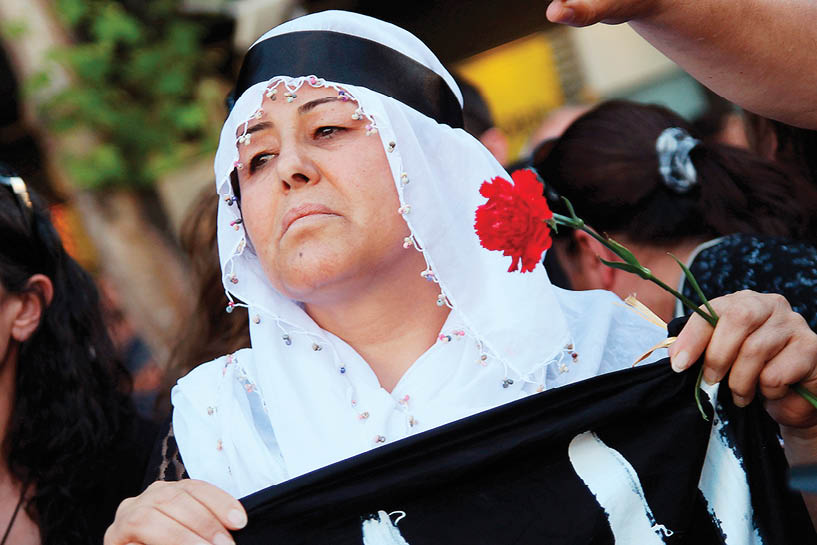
pixel 759 54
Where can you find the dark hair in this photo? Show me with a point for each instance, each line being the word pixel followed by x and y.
pixel 209 331
pixel 476 114
pixel 791 146
pixel 607 166
pixel 70 402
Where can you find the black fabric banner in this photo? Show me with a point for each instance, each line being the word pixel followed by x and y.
pixel 614 459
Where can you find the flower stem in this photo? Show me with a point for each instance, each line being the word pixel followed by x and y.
pixel 631 264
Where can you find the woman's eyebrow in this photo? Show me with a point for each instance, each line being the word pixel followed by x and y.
pixel 304 108
pixel 260 126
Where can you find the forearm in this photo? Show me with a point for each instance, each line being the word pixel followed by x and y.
pixel 759 54
pixel 801 449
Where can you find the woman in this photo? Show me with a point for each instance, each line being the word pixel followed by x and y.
pixel 346 225
pixel 72 447
pixel 209 331
pixel 639 173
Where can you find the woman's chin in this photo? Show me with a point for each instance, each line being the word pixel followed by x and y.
pixel 308 274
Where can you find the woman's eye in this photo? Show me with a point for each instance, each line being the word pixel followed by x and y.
pixel 260 160
pixel 328 132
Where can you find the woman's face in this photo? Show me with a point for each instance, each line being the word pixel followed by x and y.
pixel 317 197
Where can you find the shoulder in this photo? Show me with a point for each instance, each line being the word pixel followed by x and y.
pixel 196 393
pixel 761 263
pixel 205 378
pixel 757 250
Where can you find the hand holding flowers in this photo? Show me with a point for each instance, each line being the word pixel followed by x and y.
pixel 769 346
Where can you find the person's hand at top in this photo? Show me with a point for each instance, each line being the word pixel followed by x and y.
pixel 589 12
pixel 772 73
pixel 187 512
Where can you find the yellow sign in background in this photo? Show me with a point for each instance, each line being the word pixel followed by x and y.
pixel 520 82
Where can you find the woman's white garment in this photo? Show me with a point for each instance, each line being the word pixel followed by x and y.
pixel 301 398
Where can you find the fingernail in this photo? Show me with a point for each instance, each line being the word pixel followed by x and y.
pixel 740 401
pixel 237 518
pixel 680 361
pixel 222 539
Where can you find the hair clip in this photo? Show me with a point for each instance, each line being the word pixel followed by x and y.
pixel 272 93
pixel 290 96
pixel 245 139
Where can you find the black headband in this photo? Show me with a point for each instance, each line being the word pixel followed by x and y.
pixel 344 58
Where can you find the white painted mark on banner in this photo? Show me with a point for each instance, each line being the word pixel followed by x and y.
pixel 725 487
pixel 617 489
pixel 379 530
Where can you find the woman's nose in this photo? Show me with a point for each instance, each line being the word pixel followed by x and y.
pixel 295 167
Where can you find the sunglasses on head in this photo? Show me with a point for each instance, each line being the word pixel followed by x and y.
pixel 20 191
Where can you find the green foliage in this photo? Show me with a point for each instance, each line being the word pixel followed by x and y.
pixel 139 85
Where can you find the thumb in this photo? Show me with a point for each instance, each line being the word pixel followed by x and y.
pixel 576 12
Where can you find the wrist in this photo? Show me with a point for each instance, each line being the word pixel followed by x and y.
pixel 800 444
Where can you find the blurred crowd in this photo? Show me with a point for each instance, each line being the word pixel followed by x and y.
pixel 732 194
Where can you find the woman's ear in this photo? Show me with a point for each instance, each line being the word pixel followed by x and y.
pixel 33 301
pixel 596 274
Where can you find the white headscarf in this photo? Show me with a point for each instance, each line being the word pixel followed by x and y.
pixel 301 398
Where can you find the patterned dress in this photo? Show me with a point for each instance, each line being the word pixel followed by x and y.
pixel 759 263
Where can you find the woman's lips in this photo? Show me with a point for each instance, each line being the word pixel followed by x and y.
pixel 302 211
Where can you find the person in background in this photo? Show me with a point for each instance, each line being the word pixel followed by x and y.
pixel 72 445
pixel 131 350
pixel 640 174
pixel 478 121
pixel 772 73
pixel 209 331
pixel 554 124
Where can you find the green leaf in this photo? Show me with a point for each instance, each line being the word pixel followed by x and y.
pixel 698 393
pixel 114 25
pixel 694 283
pixel 622 252
pixel 13 29
pixel 628 267
pixel 72 11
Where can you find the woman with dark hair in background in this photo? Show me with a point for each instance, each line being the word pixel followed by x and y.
pixel 72 446
pixel 638 173
pixel 209 331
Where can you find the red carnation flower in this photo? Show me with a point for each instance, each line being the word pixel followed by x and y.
pixel 513 219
